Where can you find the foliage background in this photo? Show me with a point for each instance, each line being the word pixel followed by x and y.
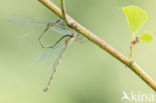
pixel 86 74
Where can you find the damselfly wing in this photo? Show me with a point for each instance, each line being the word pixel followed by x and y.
pixel 55 51
pixel 56 25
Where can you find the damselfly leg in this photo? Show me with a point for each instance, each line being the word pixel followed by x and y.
pixel 57 23
pixel 43 46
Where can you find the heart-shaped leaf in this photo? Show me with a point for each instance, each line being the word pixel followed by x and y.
pixel 145 37
pixel 136 17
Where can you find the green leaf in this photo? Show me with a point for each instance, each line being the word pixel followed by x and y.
pixel 145 37
pixel 136 17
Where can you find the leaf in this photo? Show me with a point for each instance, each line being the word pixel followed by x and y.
pixel 145 37
pixel 136 17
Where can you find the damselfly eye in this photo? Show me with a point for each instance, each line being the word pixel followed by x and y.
pixel 59 21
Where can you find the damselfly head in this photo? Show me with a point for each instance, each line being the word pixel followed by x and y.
pixel 59 21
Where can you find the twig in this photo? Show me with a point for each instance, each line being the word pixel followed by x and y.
pixel 99 42
pixel 132 47
pixel 64 12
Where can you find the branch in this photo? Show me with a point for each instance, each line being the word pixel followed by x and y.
pixel 99 42
pixel 64 12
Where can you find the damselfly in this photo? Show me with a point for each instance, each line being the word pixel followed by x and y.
pixel 58 26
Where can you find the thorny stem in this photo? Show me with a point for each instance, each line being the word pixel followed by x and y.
pixel 102 44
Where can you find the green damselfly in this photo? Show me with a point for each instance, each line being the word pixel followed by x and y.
pixel 58 26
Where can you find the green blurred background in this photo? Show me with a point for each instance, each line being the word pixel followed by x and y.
pixel 86 74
